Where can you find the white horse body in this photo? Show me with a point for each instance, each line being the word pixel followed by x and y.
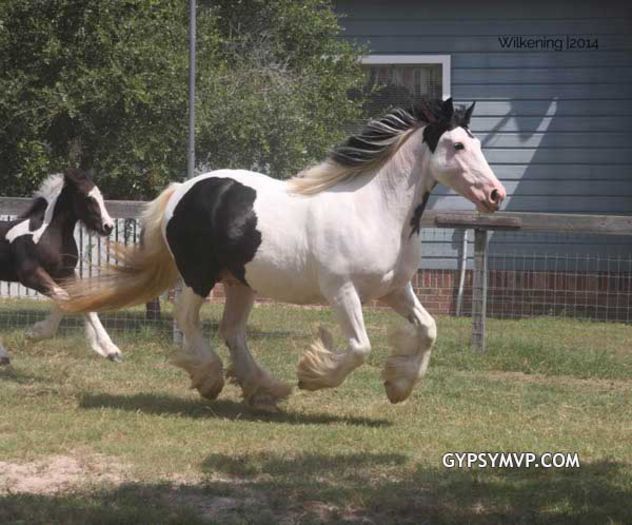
pixel 357 232
pixel 343 232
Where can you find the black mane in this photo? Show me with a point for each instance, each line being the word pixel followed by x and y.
pixel 380 134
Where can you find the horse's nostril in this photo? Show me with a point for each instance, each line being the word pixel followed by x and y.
pixel 107 228
pixel 494 196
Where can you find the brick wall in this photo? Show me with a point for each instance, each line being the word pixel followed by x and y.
pixel 601 296
pixel 514 294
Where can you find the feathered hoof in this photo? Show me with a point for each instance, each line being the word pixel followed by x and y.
pixel 207 376
pixel 398 390
pixel 115 357
pixel 40 330
pixel 263 403
pixel 313 374
pixel 269 392
pixel 209 387
pixel 261 392
pixel 319 366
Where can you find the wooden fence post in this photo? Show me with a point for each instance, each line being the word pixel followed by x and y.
pixel 152 310
pixel 479 290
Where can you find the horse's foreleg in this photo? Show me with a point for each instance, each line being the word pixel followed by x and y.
pixel 203 365
pixel 48 327
pixel 99 339
pixel 412 345
pixel 260 389
pixel 321 366
pixel 35 277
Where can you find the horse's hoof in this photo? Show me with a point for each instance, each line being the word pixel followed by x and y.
pixel 264 404
pixel 115 358
pixel 210 387
pixel 5 361
pixel 397 391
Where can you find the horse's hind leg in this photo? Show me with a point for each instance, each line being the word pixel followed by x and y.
pixel 412 345
pixel 203 365
pixel 260 389
pixel 99 339
pixel 47 327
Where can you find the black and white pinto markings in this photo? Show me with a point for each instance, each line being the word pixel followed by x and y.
pixel 38 249
pixel 345 231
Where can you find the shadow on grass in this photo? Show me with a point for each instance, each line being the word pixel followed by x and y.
pixel 8 373
pixel 371 487
pixel 129 504
pixel 359 488
pixel 220 409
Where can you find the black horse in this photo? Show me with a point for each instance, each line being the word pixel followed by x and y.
pixel 38 249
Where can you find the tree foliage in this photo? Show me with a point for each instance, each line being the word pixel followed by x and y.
pixel 104 84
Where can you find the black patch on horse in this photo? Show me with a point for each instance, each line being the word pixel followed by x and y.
pixel 442 117
pixel 213 230
pixel 34 213
pixel 415 221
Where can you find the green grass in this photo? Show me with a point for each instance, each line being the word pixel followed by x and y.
pixel 330 456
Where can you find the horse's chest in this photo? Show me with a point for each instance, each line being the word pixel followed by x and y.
pixel 392 272
pixel 7 268
pixel 57 255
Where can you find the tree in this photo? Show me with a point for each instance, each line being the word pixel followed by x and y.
pixel 104 84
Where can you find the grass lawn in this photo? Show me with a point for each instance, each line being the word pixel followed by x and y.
pixel 83 440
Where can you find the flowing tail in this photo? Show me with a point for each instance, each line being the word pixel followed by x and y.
pixel 143 271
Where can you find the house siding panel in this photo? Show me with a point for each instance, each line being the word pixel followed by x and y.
pixel 553 124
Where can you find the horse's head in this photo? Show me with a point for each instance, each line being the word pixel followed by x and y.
pixel 87 201
pixel 457 160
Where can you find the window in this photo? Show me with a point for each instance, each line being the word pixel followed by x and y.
pixel 399 80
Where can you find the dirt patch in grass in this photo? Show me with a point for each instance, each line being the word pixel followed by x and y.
pixel 59 473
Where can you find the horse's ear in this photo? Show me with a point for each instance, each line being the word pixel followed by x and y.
pixel 447 108
pixel 468 113
pixel 430 117
pixel 75 175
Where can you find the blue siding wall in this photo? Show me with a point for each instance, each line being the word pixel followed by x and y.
pixel 556 126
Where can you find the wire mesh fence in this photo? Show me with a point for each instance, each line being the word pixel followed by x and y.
pixel 21 307
pixel 550 275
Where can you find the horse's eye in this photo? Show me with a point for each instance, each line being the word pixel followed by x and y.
pixel 458 146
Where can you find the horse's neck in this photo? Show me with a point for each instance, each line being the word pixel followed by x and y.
pixel 64 217
pixel 404 180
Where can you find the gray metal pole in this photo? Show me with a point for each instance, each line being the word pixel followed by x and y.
pixel 177 334
pixel 479 290
pixel 192 45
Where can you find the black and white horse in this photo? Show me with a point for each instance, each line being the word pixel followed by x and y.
pixel 345 231
pixel 38 249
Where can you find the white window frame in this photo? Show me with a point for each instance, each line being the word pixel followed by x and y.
pixel 444 60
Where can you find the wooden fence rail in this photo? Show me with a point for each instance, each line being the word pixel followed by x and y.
pixel 522 221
